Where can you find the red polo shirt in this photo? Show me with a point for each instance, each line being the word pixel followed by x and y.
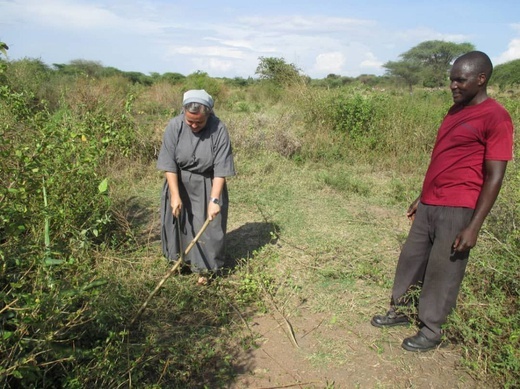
pixel 467 136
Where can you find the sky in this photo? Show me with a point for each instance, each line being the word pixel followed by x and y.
pixel 227 38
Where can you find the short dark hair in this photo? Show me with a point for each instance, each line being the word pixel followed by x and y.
pixel 480 62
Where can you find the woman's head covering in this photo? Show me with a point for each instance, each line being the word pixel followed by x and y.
pixel 198 96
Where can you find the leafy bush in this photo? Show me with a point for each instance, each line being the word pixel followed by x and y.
pixel 54 208
pixel 63 135
pixel 354 115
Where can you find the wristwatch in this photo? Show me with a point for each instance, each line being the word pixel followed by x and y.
pixel 214 200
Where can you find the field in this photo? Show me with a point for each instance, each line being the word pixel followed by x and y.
pixel 317 218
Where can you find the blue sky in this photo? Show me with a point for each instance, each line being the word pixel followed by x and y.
pixel 226 38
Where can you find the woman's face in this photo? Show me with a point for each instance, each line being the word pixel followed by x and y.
pixel 196 121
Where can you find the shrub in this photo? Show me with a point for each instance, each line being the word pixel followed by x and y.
pixel 54 209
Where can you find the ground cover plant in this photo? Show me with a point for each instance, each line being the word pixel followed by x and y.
pixel 324 177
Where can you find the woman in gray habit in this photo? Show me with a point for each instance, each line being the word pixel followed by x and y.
pixel 196 157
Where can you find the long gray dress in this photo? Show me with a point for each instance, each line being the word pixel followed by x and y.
pixel 196 158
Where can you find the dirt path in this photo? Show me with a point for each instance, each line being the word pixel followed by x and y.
pixel 330 312
pixel 333 272
pixel 277 363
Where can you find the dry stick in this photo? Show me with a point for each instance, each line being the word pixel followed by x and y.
pixel 289 385
pixel 289 326
pixel 241 317
pixel 171 271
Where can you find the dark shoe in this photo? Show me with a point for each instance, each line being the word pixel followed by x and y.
pixel 389 320
pixel 419 342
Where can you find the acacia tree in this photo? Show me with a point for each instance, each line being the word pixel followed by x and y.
pixel 507 74
pixel 278 71
pixel 409 71
pixel 429 60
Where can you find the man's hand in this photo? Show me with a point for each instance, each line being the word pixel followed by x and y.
pixel 412 209
pixel 494 174
pixel 465 240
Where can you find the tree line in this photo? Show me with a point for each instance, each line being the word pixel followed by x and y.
pixel 425 65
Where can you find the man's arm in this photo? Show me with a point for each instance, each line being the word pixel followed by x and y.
pixel 494 174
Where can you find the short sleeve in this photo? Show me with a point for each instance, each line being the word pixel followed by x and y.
pixel 167 155
pixel 223 164
pixel 499 139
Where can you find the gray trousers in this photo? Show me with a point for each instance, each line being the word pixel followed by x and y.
pixel 428 261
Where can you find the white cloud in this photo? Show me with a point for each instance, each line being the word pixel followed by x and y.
pixel 297 23
pixel 329 62
pixel 218 66
pixel 208 51
pixel 244 44
pixel 512 52
pixel 163 35
pixel 371 62
pixel 513 48
pixel 79 15
pixel 422 34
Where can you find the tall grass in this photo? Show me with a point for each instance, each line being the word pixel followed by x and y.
pixel 395 131
pixel 78 185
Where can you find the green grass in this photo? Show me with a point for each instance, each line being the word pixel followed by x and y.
pixel 317 219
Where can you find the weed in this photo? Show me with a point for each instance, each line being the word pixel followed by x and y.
pixel 324 178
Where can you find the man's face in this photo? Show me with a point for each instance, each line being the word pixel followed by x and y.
pixel 465 83
pixel 196 121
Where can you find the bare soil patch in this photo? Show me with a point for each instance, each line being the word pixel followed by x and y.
pixel 330 312
pixel 370 358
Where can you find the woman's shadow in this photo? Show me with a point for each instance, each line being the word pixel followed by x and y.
pixel 242 242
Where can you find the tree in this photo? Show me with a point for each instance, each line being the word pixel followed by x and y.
pixel 278 71
pixel 78 67
pixel 507 74
pixel 429 61
pixel 409 71
pixel 435 57
pixel 202 80
pixel 173 78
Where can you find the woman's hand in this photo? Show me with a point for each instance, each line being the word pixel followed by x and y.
pixel 176 204
pixel 213 210
pixel 216 190
pixel 175 198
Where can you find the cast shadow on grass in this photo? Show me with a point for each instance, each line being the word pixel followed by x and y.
pixel 242 242
pixel 183 341
pixel 189 325
pixel 139 219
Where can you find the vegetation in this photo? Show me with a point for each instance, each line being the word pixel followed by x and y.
pixel 507 75
pixel 277 71
pixel 428 62
pixel 78 231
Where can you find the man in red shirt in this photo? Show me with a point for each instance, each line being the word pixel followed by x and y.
pixel 468 163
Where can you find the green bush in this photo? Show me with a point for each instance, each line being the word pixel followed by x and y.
pixel 354 116
pixel 55 208
pixel 65 136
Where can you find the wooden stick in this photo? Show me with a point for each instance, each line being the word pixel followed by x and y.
pixel 172 270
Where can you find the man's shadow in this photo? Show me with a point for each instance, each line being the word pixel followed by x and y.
pixel 242 242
